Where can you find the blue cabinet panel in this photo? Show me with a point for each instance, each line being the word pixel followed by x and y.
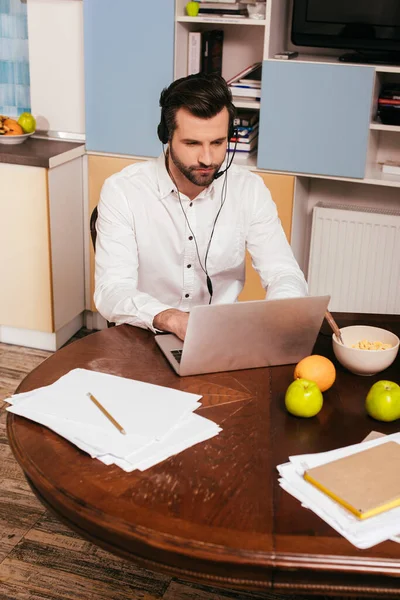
pixel 128 60
pixel 315 118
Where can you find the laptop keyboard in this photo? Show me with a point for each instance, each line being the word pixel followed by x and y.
pixel 177 354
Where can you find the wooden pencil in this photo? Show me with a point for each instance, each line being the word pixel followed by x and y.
pixel 106 413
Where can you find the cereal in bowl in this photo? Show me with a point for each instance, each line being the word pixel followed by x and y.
pixel 367 345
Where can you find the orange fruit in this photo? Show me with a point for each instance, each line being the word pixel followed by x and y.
pixel 318 369
pixel 13 127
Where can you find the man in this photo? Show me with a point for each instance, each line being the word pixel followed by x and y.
pixel 172 232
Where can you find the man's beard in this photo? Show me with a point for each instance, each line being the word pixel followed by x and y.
pixel 193 173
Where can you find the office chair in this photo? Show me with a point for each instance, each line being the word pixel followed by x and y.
pixel 93 231
pixel 93 234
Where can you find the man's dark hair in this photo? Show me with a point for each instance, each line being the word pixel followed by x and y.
pixel 203 95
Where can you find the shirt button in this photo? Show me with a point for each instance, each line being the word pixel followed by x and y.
pixel 186 295
pixel 188 266
pixel 191 204
pixel 190 237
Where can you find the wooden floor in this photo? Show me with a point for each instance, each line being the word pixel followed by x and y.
pixel 41 559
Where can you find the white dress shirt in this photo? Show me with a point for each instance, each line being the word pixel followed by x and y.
pixel 146 258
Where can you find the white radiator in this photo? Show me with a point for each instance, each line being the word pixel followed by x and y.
pixel 355 257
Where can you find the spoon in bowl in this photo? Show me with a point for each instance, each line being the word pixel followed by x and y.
pixel 334 326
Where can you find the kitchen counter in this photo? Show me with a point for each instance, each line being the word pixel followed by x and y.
pixel 36 152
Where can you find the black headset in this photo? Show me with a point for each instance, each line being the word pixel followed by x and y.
pixel 163 133
pixel 164 137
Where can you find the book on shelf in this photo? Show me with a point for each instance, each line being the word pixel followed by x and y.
pixel 252 78
pixel 246 118
pixel 247 71
pixel 211 51
pixel 234 8
pixel 248 84
pixel 246 131
pixel 226 12
pixel 217 2
pixel 245 91
pixel 194 52
pixel 391 167
pixel 243 146
pixel 250 103
pixel 245 139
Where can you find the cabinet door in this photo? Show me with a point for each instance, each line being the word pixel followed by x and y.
pixel 25 272
pixel 282 190
pixel 128 60
pixel 315 118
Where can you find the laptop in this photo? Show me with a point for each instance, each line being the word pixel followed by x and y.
pixel 245 335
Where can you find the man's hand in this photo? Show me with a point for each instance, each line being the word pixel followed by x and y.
pixel 172 320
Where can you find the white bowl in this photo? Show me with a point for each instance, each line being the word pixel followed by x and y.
pixel 365 362
pixel 14 139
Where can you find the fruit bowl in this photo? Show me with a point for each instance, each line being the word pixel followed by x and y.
pixel 365 362
pixel 15 139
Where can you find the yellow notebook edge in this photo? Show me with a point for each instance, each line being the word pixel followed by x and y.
pixel 369 513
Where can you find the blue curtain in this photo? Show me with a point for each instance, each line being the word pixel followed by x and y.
pixel 14 59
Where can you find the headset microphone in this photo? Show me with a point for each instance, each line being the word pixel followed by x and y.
pixel 220 173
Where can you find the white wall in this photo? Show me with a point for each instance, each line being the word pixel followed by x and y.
pixel 55 32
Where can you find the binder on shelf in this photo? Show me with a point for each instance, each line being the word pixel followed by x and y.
pixel 211 48
pixel 366 483
pixel 194 52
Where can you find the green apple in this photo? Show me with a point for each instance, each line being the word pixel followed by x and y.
pixel 192 9
pixel 27 122
pixel 303 398
pixel 383 401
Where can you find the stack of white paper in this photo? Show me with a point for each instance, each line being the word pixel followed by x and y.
pixel 158 421
pixel 361 533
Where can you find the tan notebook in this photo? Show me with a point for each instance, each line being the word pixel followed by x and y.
pixel 366 483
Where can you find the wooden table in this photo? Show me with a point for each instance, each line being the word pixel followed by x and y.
pixel 215 513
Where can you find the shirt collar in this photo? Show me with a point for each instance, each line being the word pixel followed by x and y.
pixel 165 184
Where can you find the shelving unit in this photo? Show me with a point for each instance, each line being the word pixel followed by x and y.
pixel 246 42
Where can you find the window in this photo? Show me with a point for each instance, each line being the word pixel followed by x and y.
pixel 14 58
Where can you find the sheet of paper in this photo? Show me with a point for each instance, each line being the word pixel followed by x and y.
pixel 194 430
pixel 140 408
pixel 362 533
pixel 159 421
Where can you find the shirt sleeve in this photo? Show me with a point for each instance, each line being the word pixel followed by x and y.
pixel 116 296
pixel 272 256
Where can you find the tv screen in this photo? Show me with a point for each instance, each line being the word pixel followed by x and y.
pixel 363 25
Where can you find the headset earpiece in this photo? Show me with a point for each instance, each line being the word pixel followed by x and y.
pixel 162 129
pixel 232 131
